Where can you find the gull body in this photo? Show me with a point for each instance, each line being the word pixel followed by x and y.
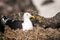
pixel 12 23
pixel 27 24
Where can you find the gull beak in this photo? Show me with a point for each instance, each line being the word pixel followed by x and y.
pixel 32 17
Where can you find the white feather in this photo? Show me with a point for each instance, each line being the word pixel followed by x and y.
pixel 27 24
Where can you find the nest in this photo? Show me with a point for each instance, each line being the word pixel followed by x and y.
pixel 38 33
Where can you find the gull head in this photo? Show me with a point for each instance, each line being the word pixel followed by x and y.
pixel 28 15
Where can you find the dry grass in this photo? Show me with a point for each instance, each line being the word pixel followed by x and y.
pixel 38 33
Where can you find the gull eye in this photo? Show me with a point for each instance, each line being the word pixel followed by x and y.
pixel 27 14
